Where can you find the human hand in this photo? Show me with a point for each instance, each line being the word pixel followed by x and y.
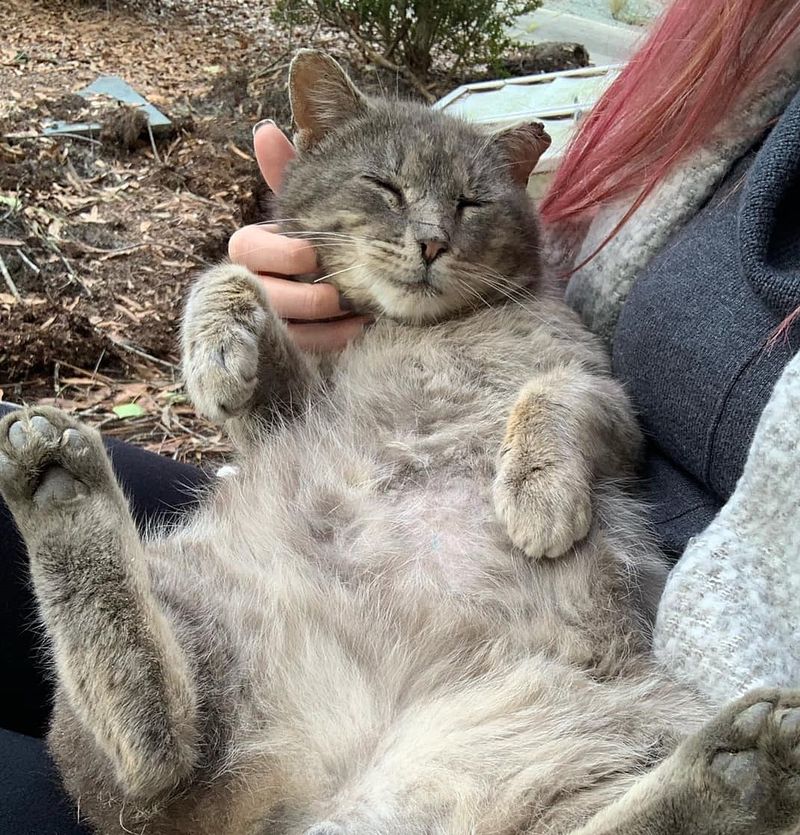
pixel 274 257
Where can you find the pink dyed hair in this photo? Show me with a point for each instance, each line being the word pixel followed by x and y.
pixel 689 73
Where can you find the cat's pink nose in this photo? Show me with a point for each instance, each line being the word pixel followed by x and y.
pixel 432 249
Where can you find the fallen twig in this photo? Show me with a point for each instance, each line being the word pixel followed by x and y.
pixel 122 250
pixel 27 261
pixel 10 281
pixel 96 375
pixel 153 142
pixel 196 258
pixel 262 72
pixel 139 352
pixel 50 244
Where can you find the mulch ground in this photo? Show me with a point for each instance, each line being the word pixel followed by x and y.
pixel 100 236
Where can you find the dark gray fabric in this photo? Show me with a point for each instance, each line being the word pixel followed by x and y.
pixel 679 505
pixel 769 217
pixel 692 339
pixel 32 801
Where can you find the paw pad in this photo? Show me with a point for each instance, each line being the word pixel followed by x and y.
pixel 749 721
pixel 739 770
pixel 59 486
pixel 790 721
pixel 73 439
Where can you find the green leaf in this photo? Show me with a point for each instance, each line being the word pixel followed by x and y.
pixel 10 200
pixel 128 410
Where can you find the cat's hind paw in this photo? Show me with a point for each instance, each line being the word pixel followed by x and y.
pixel 750 759
pixel 48 458
pixel 225 318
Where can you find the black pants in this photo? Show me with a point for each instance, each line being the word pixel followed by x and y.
pixel 31 799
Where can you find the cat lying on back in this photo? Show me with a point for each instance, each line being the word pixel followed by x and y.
pixel 423 605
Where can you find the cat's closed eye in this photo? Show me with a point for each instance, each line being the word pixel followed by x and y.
pixel 390 190
pixel 468 203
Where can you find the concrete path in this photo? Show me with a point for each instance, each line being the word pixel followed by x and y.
pixel 608 43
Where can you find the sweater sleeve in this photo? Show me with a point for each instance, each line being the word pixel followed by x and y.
pixel 729 619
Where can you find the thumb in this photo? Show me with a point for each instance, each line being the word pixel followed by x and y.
pixel 273 152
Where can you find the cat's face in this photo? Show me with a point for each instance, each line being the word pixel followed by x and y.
pixel 414 214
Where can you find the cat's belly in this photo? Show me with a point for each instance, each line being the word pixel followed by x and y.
pixel 442 533
pixel 363 515
pixel 393 484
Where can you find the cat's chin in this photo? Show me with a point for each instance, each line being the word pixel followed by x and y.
pixel 417 304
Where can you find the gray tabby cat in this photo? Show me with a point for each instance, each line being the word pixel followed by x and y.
pixel 423 606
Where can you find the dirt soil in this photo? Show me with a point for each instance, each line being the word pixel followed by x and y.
pixel 100 236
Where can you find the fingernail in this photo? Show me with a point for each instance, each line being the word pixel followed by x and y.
pixel 258 125
pixel 345 303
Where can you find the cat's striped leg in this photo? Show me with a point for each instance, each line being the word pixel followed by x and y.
pixel 740 775
pixel 241 367
pixel 116 656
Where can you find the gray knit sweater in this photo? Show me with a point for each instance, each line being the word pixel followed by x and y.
pixel 687 295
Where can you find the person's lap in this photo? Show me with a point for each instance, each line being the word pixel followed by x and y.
pixel 31 799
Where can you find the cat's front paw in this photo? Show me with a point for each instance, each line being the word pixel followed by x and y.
pixel 545 505
pixel 225 319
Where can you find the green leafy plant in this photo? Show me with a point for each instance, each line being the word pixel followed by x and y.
pixel 409 36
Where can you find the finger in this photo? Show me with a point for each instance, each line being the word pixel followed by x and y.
pixel 327 336
pixel 309 302
pixel 273 152
pixel 263 251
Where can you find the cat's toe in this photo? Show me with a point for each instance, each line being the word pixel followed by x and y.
pixel 38 429
pixel 26 439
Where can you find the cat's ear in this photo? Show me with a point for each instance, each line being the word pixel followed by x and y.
pixel 322 96
pixel 522 146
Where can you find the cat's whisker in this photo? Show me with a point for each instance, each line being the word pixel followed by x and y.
pixel 482 148
pixel 501 167
pixel 338 272
pixel 321 232
pixel 460 292
pixel 518 294
pixel 340 235
pixel 504 286
pixel 473 292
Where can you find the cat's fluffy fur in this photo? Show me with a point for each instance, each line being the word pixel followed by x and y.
pixel 423 604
